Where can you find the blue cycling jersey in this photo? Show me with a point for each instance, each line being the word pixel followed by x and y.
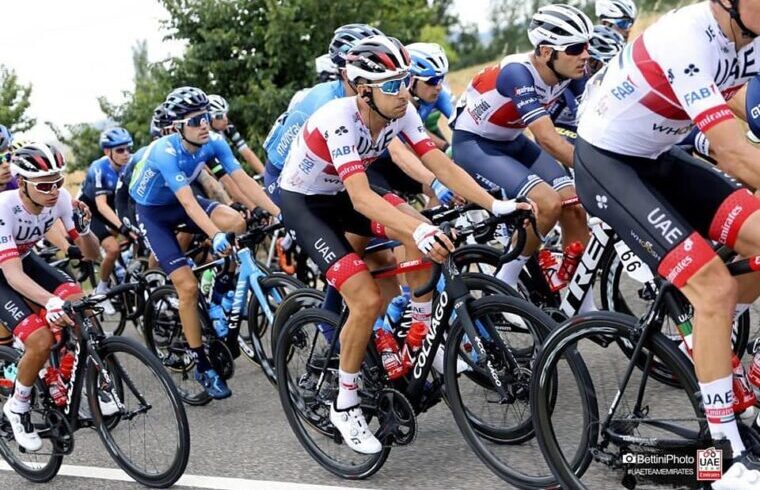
pixel 444 103
pixel 285 130
pixel 100 180
pixel 167 167
pixel 753 105
pixel 564 110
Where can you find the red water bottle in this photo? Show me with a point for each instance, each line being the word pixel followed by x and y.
pixel 55 386
pixel 414 338
pixel 754 373
pixel 550 268
pixel 570 260
pixel 388 349
pixel 744 397
pixel 67 366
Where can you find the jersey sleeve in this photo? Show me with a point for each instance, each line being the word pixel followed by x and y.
pixel 65 212
pixel 223 153
pixel 235 137
pixel 412 130
pixel 8 248
pixel 102 179
pixel 685 82
pixel 516 82
pixel 216 168
pixel 445 103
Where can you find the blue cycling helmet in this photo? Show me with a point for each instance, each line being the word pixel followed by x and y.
pixel 753 105
pixel 345 38
pixel 428 60
pixel 160 121
pixel 5 138
pixel 113 137
pixel 183 101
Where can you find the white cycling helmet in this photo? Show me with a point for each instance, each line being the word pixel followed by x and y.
pixel 428 60
pixel 616 9
pixel 37 160
pixel 559 25
pixel 377 58
pixel 605 43
pixel 217 103
pixel 325 68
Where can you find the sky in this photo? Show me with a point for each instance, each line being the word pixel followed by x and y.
pixel 74 51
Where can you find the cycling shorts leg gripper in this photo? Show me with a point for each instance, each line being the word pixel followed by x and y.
pixel 731 215
pixel 378 229
pixel 67 289
pixel 28 326
pixel 686 259
pixel 158 224
pixel 343 269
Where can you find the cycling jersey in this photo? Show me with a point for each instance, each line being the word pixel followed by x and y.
pixel 167 167
pixel 11 185
pixel 678 73
pixel 100 180
pixel 335 144
pixel 285 130
pixel 20 229
pixel 564 110
pixel 501 101
pixel 123 205
pixel 444 104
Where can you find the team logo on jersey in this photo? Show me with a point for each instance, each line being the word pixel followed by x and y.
pixel 16 209
pixel 171 151
pixel 341 130
pixel 691 69
pixel 601 202
pixel 525 89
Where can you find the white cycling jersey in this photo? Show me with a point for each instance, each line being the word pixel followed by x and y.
pixel 677 74
pixel 335 144
pixel 20 229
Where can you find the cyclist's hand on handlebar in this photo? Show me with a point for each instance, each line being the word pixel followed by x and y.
pixel 432 242
pixel 74 252
pixel 54 314
pixel 220 244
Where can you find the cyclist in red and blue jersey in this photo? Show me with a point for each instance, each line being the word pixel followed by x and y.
pixel 97 193
pixel 502 101
pixel 164 200
pixel 325 193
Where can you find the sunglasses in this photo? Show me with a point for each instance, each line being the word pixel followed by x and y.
pixel 218 115
pixel 122 149
pixel 624 24
pixel 47 187
pixel 196 121
pixel 393 87
pixel 6 157
pixel 572 49
pixel 433 81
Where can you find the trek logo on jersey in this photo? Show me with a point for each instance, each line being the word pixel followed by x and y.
pixel 700 94
pixel 624 89
pixel 525 89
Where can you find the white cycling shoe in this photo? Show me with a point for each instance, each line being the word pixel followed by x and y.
pixel 23 430
pixel 353 427
pixel 107 405
pixel 744 474
pixel 438 362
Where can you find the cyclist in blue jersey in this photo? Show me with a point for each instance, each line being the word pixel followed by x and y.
pixel 97 193
pixel 161 189
pixel 7 182
pixel 218 108
pixel 618 15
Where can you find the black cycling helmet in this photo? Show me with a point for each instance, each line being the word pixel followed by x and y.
pixel 345 38
pixel 185 100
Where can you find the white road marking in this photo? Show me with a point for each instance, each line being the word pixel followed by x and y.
pixel 198 481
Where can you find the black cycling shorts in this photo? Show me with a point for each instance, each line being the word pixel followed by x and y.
pixel 15 312
pixel 385 174
pixel 99 225
pixel 663 209
pixel 320 223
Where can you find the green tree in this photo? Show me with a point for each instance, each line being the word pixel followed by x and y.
pixel 439 35
pixel 83 140
pixel 14 101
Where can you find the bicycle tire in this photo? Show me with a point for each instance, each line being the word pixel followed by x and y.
pixel 125 346
pixel 601 324
pixel 292 304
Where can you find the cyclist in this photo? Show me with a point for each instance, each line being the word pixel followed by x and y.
pixel 218 108
pixel 26 215
pixel 97 193
pixel 7 182
pixel 619 15
pixel 160 187
pixel 502 101
pixel 663 202
pixel 325 193
pixel 327 71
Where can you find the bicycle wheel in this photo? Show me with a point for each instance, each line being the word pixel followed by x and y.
pixel 151 441
pixel 649 416
pixel 477 258
pixel 163 334
pixel 623 294
pixel 258 335
pixel 292 304
pixel 499 429
pixel 300 356
pixel 40 466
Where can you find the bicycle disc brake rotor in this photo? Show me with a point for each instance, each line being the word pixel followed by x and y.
pixel 59 432
pixel 398 423
pixel 221 359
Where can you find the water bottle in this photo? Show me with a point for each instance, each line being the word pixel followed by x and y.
pixel 396 309
pixel 550 268
pixel 218 319
pixel 120 272
pixel 207 281
pixel 414 339
pixel 67 366
pixel 570 260
pixel 388 349
pixel 754 373
pixel 744 396
pixel 55 386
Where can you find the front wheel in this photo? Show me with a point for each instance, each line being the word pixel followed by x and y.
pixel 150 439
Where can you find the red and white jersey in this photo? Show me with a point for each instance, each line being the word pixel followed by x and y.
pixel 335 144
pixel 20 229
pixel 677 74
pixel 501 101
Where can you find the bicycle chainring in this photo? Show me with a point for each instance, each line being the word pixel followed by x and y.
pixel 398 423
pixel 221 359
pixel 59 431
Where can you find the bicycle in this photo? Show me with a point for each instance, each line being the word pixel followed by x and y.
pixel 496 335
pixel 110 365
pixel 636 416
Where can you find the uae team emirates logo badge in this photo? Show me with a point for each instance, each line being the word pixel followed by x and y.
pixel 709 464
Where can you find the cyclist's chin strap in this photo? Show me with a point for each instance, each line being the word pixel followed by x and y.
pixel 550 64
pixel 182 135
pixel 415 98
pixel 733 11
pixel 371 102
pixel 26 191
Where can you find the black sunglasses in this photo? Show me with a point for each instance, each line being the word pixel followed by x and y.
pixel 121 150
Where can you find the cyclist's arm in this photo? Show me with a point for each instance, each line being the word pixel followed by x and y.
pixel 88 243
pixel 20 282
pixel 213 188
pixel 738 103
pixel 89 246
pixel 374 207
pixel 547 137
pixel 252 160
pixel 456 179
pixel 735 155
pixel 195 211
pixel 254 192
pixel 407 161
pixel 101 202
pixel 57 236
pixel 440 143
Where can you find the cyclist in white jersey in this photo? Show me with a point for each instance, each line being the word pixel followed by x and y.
pixel 325 193
pixel 662 202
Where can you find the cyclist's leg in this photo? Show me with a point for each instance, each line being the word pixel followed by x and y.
pixel 389 287
pixel 623 191
pixel 111 247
